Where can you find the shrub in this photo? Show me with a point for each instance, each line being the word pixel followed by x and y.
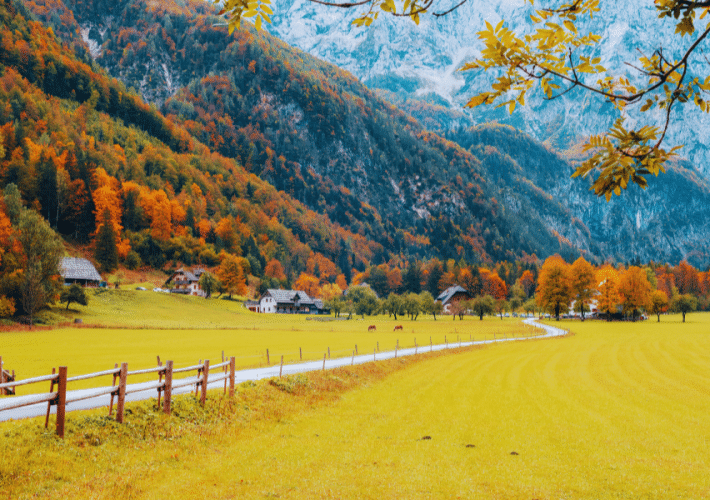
pixel 133 260
pixel 7 307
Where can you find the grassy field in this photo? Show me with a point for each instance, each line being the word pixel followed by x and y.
pixel 187 329
pixel 616 411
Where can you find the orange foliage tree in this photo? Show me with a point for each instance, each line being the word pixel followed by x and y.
pixel 106 197
pixel 634 290
pixel 608 298
pixel 274 269
pixel 307 283
pixel 231 274
pixel 493 285
pixel 527 281
pixel 554 291
pixel 583 284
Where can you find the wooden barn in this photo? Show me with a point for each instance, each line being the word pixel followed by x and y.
pixel 81 271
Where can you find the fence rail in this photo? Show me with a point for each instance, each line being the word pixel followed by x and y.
pixel 205 374
pixel 59 397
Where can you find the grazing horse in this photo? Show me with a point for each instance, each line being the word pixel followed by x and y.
pixel 371 327
pixel 398 327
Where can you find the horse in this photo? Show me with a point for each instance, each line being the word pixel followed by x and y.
pixel 398 327
pixel 371 327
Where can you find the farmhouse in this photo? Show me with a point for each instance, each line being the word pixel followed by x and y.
pixel 289 302
pixel 451 295
pixel 81 271
pixel 186 282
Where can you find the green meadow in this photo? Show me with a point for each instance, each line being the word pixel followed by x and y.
pixel 613 411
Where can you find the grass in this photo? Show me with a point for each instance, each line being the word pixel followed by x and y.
pixel 143 324
pixel 615 411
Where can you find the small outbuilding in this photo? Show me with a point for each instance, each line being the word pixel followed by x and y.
pixel 81 271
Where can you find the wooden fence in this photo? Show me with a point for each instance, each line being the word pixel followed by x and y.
pixel 59 379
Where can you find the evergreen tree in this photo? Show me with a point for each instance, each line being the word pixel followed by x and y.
pixel 413 279
pixel 106 253
pixel 47 189
pixel 432 282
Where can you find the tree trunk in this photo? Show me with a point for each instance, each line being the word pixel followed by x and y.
pixel 658 315
pixel 683 316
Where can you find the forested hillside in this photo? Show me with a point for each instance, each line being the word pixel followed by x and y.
pixel 308 128
pixel 85 153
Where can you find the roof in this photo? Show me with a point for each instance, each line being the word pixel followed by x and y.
pixel 188 275
pixel 74 268
pixel 445 296
pixel 289 296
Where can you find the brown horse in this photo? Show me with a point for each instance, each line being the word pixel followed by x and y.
pixel 371 327
pixel 398 327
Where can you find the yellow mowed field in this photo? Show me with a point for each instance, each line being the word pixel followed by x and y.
pixel 188 329
pixel 615 411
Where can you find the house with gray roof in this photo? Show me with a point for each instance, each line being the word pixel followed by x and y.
pixel 289 302
pixel 186 282
pixel 451 295
pixel 81 271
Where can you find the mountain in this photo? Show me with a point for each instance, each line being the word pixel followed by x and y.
pixel 317 134
pixel 422 61
pixel 667 222
pixel 310 129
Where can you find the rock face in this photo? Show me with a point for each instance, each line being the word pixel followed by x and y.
pixel 419 61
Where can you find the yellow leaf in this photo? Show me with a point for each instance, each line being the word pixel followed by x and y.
pixel 257 24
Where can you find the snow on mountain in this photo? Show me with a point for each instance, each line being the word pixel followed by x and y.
pixel 399 56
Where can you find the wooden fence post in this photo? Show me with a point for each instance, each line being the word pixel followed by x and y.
pixel 205 375
pixel 378 345
pixel 328 352
pixel 2 376
pixel 61 400
pixel 160 379
pixel 168 391
pixel 224 372
pixel 323 361
pixel 374 355
pixel 395 350
pixel 446 341
pixel 113 384
pixel 49 403
pixel 199 374
pixel 355 348
pixel 281 368
pixel 232 363
pixel 300 353
pixel 352 361
pixel 267 358
pixel 120 404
